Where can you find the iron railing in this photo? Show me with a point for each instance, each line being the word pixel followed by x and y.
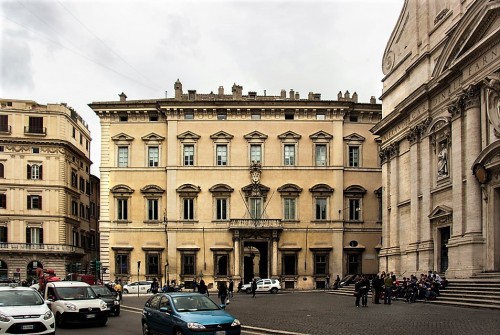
pixel 41 247
pixel 255 224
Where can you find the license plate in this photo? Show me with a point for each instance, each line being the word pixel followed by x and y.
pixel 220 332
pixel 90 316
pixel 26 327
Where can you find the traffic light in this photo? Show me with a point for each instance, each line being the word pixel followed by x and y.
pixel 92 266
pixel 97 266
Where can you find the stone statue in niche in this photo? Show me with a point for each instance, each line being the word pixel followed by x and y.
pixel 443 160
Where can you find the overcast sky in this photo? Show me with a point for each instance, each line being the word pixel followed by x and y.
pixel 83 51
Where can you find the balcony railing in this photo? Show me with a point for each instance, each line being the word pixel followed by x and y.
pixel 35 130
pixel 30 247
pixel 255 224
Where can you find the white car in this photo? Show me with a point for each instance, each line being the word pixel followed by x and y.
pixel 263 285
pixel 24 311
pixel 137 286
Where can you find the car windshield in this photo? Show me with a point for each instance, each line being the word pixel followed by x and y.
pixel 75 293
pixel 20 298
pixel 102 290
pixel 194 303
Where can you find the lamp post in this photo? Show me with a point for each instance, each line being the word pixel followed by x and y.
pixel 356 209
pixel 165 225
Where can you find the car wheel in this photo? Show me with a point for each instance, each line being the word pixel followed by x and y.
pixel 125 291
pixel 145 329
pixel 60 321
pixel 274 290
pixel 177 331
pixel 248 290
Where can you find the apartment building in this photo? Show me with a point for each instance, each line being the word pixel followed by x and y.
pixel 220 186
pixel 44 190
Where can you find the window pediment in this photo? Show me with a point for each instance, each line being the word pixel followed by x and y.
pixel 290 135
pixel 152 189
pixel 354 190
pixel 440 212
pixel 321 136
pixel 221 135
pixel 188 135
pixel 188 190
pixel 122 138
pixel 321 189
pixel 354 138
pixel 289 189
pixel 152 137
pixel 255 135
pixel 121 188
pixel 221 189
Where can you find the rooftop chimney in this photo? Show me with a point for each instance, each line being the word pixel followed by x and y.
pixel 178 90
pixel 221 91
pixel 292 94
pixel 373 100
pixel 283 94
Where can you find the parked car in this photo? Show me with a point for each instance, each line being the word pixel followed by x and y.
pixel 110 297
pixel 24 311
pixel 263 285
pixel 137 286
pixel 186 314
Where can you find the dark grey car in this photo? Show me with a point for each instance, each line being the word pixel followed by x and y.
pixel 110 297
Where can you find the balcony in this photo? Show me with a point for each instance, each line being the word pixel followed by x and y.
pixel 30 130
pixel 255 224
pixel 5 129
pixel 34 247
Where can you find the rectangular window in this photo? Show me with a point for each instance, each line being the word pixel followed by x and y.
pixel 320 209
pixel 34 235
pixel 36 125
pixel 153 264
pixel 255 116
pixel 121 265
pixel 188 264
pixel 221 115
pixel 153 118
pixel 34 202
pixel 34 171
pixel 3 201
pixel 123 118
pixel 153 156
pixel 3 235
pixel 320 264
pixel 188 115
pixel 289 265
pixel 82 184
pixel 221 208
pixel 74 208
pixel 320 155
pixel 289 158
pixel 2 171
pixel 353 156
pixel 221 154
pixel 81 139
pixel 256 208
pixel 82 210
pixel 289 208
pixel 320 116
pixel 153 209
pixel 122 209
pixel 354 210
pixel 4 123
pixel 74 178
pixel 122 156
pixel 221 265
pixel 188 209
pixel 188 154
pixel 256 153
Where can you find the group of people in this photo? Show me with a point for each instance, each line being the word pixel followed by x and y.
pixel 388 287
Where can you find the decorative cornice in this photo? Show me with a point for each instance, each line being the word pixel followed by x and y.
pixel 389 152
pixel 416 132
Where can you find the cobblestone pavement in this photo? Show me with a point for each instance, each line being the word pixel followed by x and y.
pixel 323 313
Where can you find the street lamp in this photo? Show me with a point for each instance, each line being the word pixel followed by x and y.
pixel 356 209
pixel 165 225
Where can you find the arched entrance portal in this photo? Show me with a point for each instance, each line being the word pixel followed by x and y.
pixel 256 260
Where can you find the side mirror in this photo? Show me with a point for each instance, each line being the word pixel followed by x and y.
pixel 166 310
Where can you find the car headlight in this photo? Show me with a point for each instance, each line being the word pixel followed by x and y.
pixel 70 306
pixel 103 305
pixel 47 315
pixel 195 325
pixel 236 322
pixel 4 318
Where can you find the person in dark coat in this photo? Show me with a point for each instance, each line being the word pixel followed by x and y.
pixel 365 287
pixel 154 286
pixel 357 289
pixel 202 288
pixel 222 294
pixel 378 286
pixel 254 287
pixel 230 289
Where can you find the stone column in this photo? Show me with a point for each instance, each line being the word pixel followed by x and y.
pixel 394 259
pixel 425 238
pixel 237 256
pixel 457 170
pixel 274 263
pixel 413 138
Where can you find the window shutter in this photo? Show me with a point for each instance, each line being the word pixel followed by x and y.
pixel 29 172
pixel 28 235
pixel 29 201
pixel 41 235
pixel 40 172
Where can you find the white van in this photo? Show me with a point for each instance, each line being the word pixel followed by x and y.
pixel 75 302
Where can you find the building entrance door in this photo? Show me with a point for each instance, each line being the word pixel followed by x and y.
pixel 443 255
pixel 256 260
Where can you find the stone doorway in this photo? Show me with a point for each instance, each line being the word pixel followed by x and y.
pixel 256 260
pixel 444 236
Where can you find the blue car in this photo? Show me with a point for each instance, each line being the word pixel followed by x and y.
pixel 177 313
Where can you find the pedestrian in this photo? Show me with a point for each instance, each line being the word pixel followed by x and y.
pixel 254 287
pixel 154 286
pixel 240 285
pixel 365 287
pixel 327 281
pixel 377 284
pixel 358 282
pixel 195 285
pixel 336 283
pixel 118 288
pixel 222 293
pixel 202 288
pixel 388 282
pixel 230 289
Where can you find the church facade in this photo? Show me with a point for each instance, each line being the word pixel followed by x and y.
pixel 440 139
pixel 219 186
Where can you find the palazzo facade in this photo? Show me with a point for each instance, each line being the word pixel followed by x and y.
pixel 440 139
pixel 220 186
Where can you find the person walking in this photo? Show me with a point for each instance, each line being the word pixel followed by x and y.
pixel 365 288
pixel 388 282
pixel 230 289
pixel 240 285
pixel 202 288
pixel 377 284
pixel 327 280
pixel 336 283
pixel 222 294
pixel 154 286
pixel 254 287
pixel 118 288
pixel 357 289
